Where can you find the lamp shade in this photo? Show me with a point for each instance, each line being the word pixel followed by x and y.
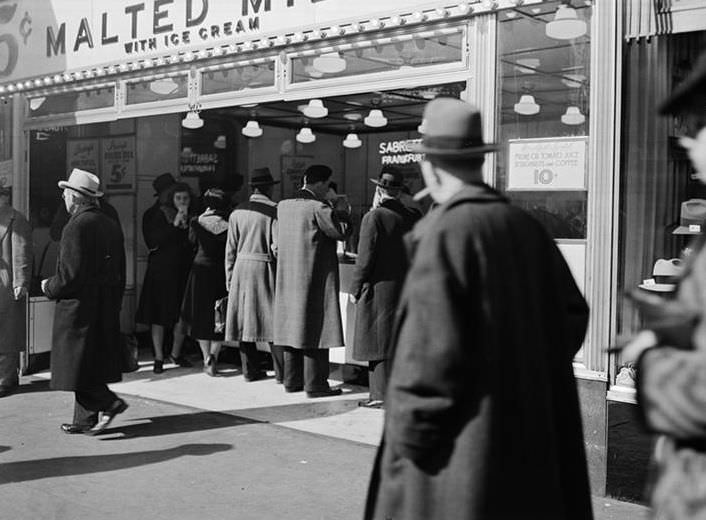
pixel 315 109
pixel 305 135
pixel 329 63
pixel 376 119
pixel 192 120
pixel 252 129
pixel 220 142
pixel 566 24
pixel 573 116
pixel 527 106
pixel 352 141
pixel 164 86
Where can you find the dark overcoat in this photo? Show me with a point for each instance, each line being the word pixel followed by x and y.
pixel 380 269
pixel 88 288
pixel 307 309
pixel 15 271
pixel 168 266
pixel 250 270
pixel 483 418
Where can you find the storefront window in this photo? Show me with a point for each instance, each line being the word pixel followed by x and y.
pixel 234 79
pixel 544 115
pixel 390 54
pixel 149 91
pixel 69 102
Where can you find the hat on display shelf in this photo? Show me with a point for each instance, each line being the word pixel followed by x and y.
pixel 665 275
pixel 691 217
pixel 83 182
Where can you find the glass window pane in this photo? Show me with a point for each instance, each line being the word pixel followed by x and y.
pixel 236 79
pixel 544 112
pixel 367 59
pixel 68 102
pixel 157 89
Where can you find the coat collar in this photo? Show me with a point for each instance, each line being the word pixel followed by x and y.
pixel 307 194
pixel 259 197
pixel 479 192
pixel 84 209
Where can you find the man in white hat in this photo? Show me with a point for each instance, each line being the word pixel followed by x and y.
pixel 483 416
pixel 88 286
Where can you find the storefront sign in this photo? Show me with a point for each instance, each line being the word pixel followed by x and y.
pixel 547 164
pixel 399 152
pixel 39 37
pixel 194 164
pixel 6 173
pixel 118 164
pixel 83 154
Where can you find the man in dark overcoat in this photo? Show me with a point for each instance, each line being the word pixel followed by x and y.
pixel 380 269
pixel 250 276
pixel 483 418
pixel 307 309
pixel 88 288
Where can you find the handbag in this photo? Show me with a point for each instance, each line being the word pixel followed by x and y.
pixel 128 353
pixel 220 309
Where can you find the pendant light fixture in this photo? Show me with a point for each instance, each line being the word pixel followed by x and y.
pixel 330 63
pixel 566 24
pixel 252 129
pixel 376 119
pixel 315 109
pixel 192 121
pixel 220 142
pixel 352 141
pixel 527 106
pixel 573 116
pixel 306 136
pixel 35 103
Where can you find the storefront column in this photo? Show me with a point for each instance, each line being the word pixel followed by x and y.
pixel 20 179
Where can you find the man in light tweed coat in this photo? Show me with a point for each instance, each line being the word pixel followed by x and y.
pixel 307 310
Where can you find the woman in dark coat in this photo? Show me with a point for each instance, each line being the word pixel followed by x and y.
pixel 166 230
pixel 377 280
pixel 207 281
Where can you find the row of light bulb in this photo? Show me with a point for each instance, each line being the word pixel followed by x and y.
pixel 305 135
pixel 527 106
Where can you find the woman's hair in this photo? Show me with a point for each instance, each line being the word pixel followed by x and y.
pixel 215 198
pixel 179 187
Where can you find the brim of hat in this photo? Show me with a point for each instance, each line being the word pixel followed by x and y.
pixel 658 287
pixel 684 230
pixel 375 181
pixel 64 184
pixel 458 152
pixel 264 183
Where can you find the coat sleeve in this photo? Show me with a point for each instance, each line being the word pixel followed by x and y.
pixel 21 252
pixel 331 223
pixel 365 261
pixel 69 275
pixel 430 383
pixel 157 230
pixel 575 306
pixel 231 249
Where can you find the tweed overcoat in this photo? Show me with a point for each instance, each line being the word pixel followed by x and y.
pixel 307 309
pixel 88 288
pixel 380 269
pixel 15 271
pixel 482 419
pixel 250 268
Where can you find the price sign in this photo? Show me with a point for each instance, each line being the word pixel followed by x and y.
pixel 118 164
pixel 547 164
pixel 82 154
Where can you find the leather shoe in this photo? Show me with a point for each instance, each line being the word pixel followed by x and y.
pixel 372 403
pixel 71 428
pixel 292 389
pixel 324 393
pixel 158 367
pixel 255 377
pixel 118 406
pixel 180 361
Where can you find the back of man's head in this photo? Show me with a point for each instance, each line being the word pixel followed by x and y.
pixel 465 168
pixel 317 173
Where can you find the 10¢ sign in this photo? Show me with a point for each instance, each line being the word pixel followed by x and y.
pixel 547 164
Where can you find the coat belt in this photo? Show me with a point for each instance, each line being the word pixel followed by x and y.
pixel 258 257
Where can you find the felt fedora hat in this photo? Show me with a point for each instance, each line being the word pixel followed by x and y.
pixel 389 178
pixel 452 128
pixel 262 177
pixel 665 275
pixel 690 94
pixel 82 182
pixel 692 216
pixel 163 182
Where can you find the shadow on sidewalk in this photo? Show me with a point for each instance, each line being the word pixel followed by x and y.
pixel 23 471
pixel 172 424
pixel 313 409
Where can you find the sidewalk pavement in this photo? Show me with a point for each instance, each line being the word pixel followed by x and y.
pixel 195 447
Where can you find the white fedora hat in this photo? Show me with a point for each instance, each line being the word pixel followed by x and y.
pixel 82 182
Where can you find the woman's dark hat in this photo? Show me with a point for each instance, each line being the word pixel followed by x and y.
pixel 389 178
pixel 452 129
pixel 164 181
pixel 690 94
pixel 262 177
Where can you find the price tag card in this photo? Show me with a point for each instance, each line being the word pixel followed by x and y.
pixel 694 228
pixel 118 164
pixel 547 164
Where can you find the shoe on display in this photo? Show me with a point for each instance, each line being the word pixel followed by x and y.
pixel 372 403
pixel 118 406
pixel 158 367
pixel 324 393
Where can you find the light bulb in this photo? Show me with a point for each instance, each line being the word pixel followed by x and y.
pixel 252 129
pixel 375 119
pixel 573 116
pixel 192 120
pixel 315 109
pixel 352 141
pixel 527 105
pixel 566 24
pixel 305 135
